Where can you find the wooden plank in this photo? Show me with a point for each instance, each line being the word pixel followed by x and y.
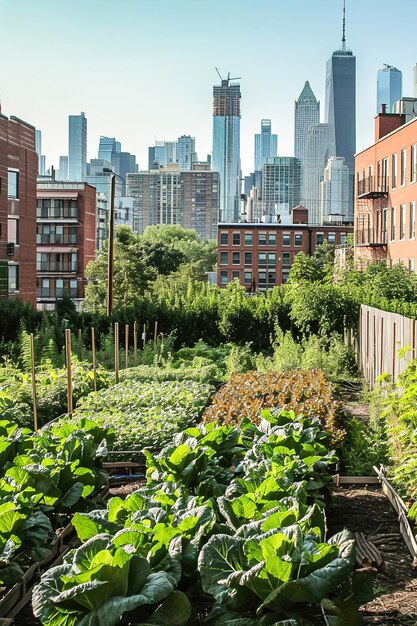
pixel 355 480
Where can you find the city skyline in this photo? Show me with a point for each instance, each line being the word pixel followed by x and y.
pixel 160 92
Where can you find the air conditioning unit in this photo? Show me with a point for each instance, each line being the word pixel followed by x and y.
pixel 10 249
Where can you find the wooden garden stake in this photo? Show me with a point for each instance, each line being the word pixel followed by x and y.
pixel 135 343
pixel 69 377
pixel 32 355
pixel 126 346
pixel 116 351
pixel 93 351
pixel 144 335
pixel 80 345
pixel 155 333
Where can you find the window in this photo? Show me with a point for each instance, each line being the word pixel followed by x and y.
pixel 248 258
pixel 236 274
pixel 412 220
pixel 73 289
pixel 394 171
pixel 384 225
pixel 392 223
pixel 223 278
pixel 413 163
pixel 262 258
pixel 59 287
pixel 13 278
pixel 262 278
pixel 236 258
pixel 236 239
pixel 319 239
pixel 272 239
pixel 272 258
pixel 286 259
pixel 402 221
pixel 224 239
pixel 262 239
pixel 343 238
pixel 272 278
pixel 298 239
pixel 224 258
pixel 13 184
pixel 248 239
pixel 411 265
pixel 13 230
pixel 247 277
pixel 403 167
pixel 384 173
pixel 286 239
pixel 331 237
pixel 285 276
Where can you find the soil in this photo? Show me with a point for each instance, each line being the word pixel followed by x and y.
pixel 368 511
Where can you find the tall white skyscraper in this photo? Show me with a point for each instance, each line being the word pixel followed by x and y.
pixel 415 80
pixel 41 157
pixel 320 146
pixel 389 87
pixel 266 145
pixel 77 148
pixel 307 114
pixel 62 173
pixel 226 146
pixel 334 195
pixel 186 152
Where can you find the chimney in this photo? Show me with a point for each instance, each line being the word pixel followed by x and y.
pixel 383 109
pixel 386 123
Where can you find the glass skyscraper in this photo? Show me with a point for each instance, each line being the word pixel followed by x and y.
pixel 266 145
pixel 280 185
pixel 341 107
pixel 389 87
pixel 77 148
pixel 226 147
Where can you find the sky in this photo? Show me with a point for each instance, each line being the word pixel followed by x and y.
pixel 143 70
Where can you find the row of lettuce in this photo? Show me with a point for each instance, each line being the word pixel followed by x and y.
pixel 44 477
pixel 232 517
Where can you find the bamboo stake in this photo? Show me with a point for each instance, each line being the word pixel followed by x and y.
pixel 93 350
pixel 116 350
pixel 126 346
pixel 69 377
pixel 32 354
pixel 155 334
pixel 144 335
pixel 135 343
pixel 110 266
pixel 80 345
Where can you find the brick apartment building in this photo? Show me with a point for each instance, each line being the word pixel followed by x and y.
pixel 386 193
pixel 65 239
pixel 18 170
pixel 260 254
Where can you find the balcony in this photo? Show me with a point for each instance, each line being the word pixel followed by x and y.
pixel 57 239
pixel 373 187
pixel 371 237
pixel 57 266
pixel 52 293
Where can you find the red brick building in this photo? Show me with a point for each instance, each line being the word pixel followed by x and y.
pixel 66 239
pixel 260 255
pixel 386 194
pixel 18 171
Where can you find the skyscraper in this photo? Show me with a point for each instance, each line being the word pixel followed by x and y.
pixel 307 113
pixel 186 155
pixel 226 146
pixel 334 189
pixel 62 173
pixel 281 185
pixel 341 106
pixel 389 87
pixel 415 80
pixel 110 150
pixel 266 145
pixel 77 148
pixel 41 157
pixel 320 146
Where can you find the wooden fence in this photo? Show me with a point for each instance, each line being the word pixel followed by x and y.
pixel 381 336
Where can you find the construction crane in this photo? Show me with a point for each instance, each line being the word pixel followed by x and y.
pixel 228 76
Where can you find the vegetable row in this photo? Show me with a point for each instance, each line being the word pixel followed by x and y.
pixel 230 516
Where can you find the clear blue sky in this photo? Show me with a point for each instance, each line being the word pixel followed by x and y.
pixel 144 69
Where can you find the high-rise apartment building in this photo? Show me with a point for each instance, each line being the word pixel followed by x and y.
pixel 226 146
pixel 280 185
pixel 18 170
pixel 110 150
pixel 341 106
pixel 306 114
pixel 77 148
pixel 62 173
pixel 162 154
pixel 266 145
pixel 170 196
pixel 320 146
pixel 334 190
pixel 99 175
pixel 389 87
pixel 415 80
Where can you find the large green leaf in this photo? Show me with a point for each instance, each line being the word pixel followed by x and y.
pixel 221 556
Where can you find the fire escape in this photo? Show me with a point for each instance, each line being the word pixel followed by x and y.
pixel 371 219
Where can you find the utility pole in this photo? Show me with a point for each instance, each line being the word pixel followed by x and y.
pixel 110 265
